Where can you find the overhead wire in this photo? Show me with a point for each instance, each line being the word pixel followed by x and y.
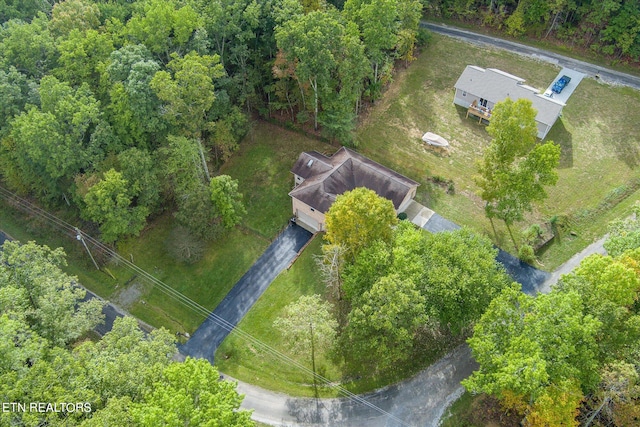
pixel 186 301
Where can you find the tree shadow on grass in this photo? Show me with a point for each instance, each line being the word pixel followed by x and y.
pixel 627 148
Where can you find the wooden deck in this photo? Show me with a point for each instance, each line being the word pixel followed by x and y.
pixel 482 113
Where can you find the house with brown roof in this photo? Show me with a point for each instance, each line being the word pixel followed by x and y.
pixel 479 89
pixel 319 179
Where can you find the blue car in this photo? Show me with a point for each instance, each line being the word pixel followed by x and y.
pixel 561 84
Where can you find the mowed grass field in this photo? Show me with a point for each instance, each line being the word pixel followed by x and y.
pixel 598 134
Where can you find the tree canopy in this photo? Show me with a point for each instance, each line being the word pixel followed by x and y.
pixel 127 377
pixel 358 218
pixel 544 356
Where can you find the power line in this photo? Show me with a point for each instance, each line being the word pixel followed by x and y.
pixel 74 232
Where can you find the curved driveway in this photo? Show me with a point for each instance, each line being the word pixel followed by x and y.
pixel 606 75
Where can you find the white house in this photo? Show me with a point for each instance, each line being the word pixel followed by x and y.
pixel 479 89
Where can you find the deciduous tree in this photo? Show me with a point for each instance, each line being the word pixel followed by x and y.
pixel 309 328
pixel 45 297
pixel 29 47
pixel 358 218
pixel 515 168
pixel 109 203
pixel 227 200
pixel 460 277
pixel 191 393
pixel 624 234
pixel 310 41
pixel 384 320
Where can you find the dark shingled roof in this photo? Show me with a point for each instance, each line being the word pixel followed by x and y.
pixel 326 177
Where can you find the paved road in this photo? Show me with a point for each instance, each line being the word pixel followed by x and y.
pixel 606 75
pixel 418 401
pixel 208 337
pixel 566 268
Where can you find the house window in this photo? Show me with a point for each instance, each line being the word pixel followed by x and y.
pixel 483 102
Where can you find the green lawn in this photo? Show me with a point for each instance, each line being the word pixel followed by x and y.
pixel 597 133
pixel 263 168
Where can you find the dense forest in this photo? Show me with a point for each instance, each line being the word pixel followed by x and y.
pixel 609 27
pixel 120 109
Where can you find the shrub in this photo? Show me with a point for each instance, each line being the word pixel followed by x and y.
pixel 527 254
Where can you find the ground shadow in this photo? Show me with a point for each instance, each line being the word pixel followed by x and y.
pixel 627 149
pixel 561 136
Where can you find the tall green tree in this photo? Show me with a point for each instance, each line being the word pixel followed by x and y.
pixel 515 168
pixel 609 288
pixel 461 277
pixel 69 15
pixel 134 109
pixel 15 92
pixel 51 144
pixel 22 9
pixel 525 345
pixel 309 328
pixel 310 42
pixel 186 183
pixel 83 56
pixel 191 393
pixel 227 200
pixel 358 218
pixel 188 90
pixel 43 296
pixel 384 320
pixel 139 169
pixel 29 47
pixel 164 27
pixel 379 25
pixel 109 203
pixel 624 234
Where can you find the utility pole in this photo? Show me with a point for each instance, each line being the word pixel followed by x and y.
pixel 80 238
pixel 313 361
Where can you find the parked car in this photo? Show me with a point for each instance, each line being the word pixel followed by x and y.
pixel 561 84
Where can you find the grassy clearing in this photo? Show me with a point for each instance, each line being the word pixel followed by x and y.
pixel 206 281
pixel 262 166
pixel 597 133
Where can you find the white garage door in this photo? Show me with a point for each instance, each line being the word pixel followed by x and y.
pixel 308 221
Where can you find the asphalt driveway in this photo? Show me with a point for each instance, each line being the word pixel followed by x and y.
pixel 529 277
pixel 208 337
